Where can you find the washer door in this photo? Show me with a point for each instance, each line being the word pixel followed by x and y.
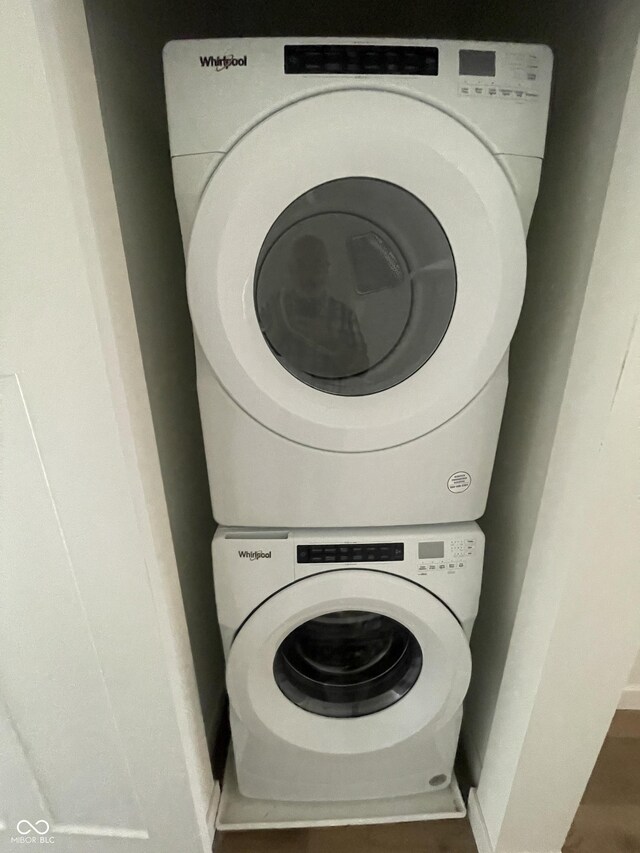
pixel 348 661
pixel 356 269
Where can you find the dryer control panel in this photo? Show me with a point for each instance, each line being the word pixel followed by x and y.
pixel 350 553
pixel 360 59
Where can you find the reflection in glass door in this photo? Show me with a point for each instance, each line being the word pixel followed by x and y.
pixel 355 286
pixel 347 663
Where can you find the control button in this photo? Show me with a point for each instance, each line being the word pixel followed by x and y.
pixel 411 64
pixel 344 553
pixel 371 63
pixel 312 62
pixel 461 565
pixel 392 62
pixel 353 65
pixel 443 566
pixel 492 91
pixel 333 63
pixel 478 90
pixel 384 552
pixel 452 565
pixel 372 554
pixel 519 94
pixel 329 554
pixel 357 555
pixel 531 75
pixel 303 554
pixel 293 64
pixel 398 551
pixel 316 553
pixel 465 90
pixel 506 93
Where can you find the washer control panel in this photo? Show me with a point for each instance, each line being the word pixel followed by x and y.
pixel 445 555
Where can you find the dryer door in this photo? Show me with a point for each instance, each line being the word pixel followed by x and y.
pixel 316 659
pixel 356 269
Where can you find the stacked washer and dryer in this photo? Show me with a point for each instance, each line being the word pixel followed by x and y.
pixel 354 215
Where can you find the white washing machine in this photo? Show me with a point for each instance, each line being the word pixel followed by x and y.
pixel 347 656
pixel 354 216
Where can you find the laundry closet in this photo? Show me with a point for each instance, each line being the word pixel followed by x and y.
pixel 578 58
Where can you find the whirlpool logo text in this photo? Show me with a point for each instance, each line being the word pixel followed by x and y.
pixel 221 63
pixel 255 555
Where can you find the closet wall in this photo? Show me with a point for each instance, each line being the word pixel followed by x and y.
pixel 594 46
pixel 127 40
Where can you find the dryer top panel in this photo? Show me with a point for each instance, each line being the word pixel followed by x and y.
pixel 217 89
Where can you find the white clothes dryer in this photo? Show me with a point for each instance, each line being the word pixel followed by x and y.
pixel 347 656
pixel 354 216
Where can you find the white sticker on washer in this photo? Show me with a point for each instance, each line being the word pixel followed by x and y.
pixel 459 482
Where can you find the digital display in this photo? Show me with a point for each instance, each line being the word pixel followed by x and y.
pixel 430 550
pixel 477 63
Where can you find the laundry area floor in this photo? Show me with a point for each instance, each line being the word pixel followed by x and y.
pixel 447 836
pixel 608 820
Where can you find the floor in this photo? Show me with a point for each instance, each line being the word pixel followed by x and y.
pixel 608 820
pixel 446 836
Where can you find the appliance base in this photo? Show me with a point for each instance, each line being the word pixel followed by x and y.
pixel 237 812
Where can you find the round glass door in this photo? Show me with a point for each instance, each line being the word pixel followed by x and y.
pixel 347 663
pixel 355 286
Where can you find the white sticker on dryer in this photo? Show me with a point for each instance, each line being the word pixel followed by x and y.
pixel 459 482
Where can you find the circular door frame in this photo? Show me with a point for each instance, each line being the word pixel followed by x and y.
pixel 432 701
pixel 326 137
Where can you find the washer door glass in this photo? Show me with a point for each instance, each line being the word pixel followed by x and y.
pixel 347 663
pixel 355 286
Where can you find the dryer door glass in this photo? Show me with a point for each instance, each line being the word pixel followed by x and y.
pixel 355 286
pixel 348 663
